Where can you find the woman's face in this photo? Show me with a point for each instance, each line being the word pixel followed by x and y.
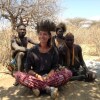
pixel 43 36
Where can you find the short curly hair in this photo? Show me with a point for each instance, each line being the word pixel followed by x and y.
pixel 69 35
pixel 20 24
pixel 61 25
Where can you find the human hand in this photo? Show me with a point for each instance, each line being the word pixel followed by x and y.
pixel 61 67
pixel 90 76
pixel 62 49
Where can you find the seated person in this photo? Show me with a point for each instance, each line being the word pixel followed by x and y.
pixel 42 64
pixel 19 47
pixel 73 59
pixel 58 39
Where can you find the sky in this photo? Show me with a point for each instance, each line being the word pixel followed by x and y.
pixel 89 9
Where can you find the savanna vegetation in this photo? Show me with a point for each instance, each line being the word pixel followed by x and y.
pixel 29 12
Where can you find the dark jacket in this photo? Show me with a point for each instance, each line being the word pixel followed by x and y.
pixel 41 63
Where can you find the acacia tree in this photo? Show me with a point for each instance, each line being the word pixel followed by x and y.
pixel 28 11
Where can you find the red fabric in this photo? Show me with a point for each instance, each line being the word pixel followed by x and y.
pixel 56 79
pixel 59 78
pixel 29 80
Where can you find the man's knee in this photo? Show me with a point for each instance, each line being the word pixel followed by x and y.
pixel 21 54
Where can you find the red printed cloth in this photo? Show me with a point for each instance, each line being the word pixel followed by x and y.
pixel 59 78
pixel 29 80
pixel 56 79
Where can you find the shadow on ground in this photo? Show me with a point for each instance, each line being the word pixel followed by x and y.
pixel 76 90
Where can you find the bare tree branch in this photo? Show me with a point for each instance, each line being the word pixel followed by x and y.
pixel 31 11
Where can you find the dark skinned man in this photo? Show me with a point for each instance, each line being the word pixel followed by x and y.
pixel 73 59
pixel 58 39
pixel 19 47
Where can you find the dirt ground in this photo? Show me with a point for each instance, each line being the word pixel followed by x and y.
pixel 76 90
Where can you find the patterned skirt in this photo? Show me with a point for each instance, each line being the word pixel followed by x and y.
pixel 56 79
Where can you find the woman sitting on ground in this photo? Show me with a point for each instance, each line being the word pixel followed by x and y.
pixel 42 64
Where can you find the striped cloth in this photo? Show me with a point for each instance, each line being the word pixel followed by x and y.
pixel 29 80
pixel 58 78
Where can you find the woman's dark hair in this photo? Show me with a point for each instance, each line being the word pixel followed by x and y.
pixel 46 25
pixel 49 41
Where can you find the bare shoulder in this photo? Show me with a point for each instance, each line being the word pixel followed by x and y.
pixel 13 37
pixel 78 47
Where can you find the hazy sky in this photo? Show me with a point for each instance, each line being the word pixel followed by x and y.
pixel 89 9
pixel 81 8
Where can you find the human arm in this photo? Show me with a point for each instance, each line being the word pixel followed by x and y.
pixel 28 61
pixel 55 58
pixel 15 46
pixel 90 75
pixel 31 41
pixel 81 60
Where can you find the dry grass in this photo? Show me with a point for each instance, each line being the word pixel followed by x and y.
pixel 5 48
pixel 87 38
pixel 77 90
